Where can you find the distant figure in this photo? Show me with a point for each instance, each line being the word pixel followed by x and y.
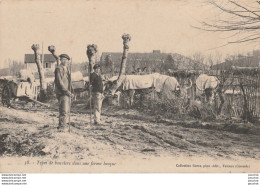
pixel 138 71
pixel 97 89
pixel 62 89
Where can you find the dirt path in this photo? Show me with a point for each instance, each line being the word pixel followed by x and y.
pixel 33 132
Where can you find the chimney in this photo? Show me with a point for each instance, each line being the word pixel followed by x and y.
pixel 156 51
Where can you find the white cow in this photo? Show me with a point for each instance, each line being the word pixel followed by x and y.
pixel 207 85
pixel 143 84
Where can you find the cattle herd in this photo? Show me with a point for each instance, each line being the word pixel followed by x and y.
pixel 166 86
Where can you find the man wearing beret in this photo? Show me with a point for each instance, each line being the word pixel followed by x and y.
pixel 97 89
pixel 62 89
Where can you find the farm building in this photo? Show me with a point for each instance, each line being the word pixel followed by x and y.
pixel 48 64
pixel 151 62
pixel 252 60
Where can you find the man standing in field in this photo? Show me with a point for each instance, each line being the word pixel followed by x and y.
pixel 62 89
pixel 97 89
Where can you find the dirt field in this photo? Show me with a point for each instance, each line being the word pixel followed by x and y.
pixel 31 131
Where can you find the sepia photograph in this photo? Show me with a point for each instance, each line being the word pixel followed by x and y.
pixel 119 86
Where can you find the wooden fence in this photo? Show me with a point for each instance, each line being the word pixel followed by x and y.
pixel 241 90
pixel 242 96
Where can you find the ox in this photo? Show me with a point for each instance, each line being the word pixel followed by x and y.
pixel 144 84
pixel 210 86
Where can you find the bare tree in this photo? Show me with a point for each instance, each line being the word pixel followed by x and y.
pixel 170 63
pixel 39 63
pixel 209 60
pixel 240 17
pixel 15 67
pixel 126 39
pixel 218 60
pixel 198 60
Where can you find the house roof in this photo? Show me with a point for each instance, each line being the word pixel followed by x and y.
pixel 30 58
pixel 135 56
pixel 184 62
pixel 245 61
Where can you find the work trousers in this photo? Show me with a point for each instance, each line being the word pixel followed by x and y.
pixel 64 109
pixel 97 101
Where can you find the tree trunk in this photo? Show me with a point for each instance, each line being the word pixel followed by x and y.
pixel 222 101
pixel 91 53
pixel 126 39
pixel 43 85
pixel 91 64
pixel 112 68
pixel 246 113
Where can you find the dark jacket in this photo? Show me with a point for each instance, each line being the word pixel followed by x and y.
pixel 62 80
pixel 96 82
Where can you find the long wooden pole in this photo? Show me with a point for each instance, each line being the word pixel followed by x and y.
pixel 91 52
pixel 42 56
pixel 70 92
pixel 35 101
pixel 90 94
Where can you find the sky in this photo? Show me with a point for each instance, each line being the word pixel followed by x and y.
pixel 71 25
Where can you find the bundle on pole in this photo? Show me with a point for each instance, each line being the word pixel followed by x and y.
pixel 70 92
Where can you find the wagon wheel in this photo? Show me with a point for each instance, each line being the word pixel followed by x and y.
pixel 6 96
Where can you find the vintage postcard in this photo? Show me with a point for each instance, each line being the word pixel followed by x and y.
pixel 121 86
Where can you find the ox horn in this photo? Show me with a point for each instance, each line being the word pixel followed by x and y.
pixel 189 85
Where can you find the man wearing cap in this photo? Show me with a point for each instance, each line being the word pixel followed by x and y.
pixel 97 89
pixel 62 89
